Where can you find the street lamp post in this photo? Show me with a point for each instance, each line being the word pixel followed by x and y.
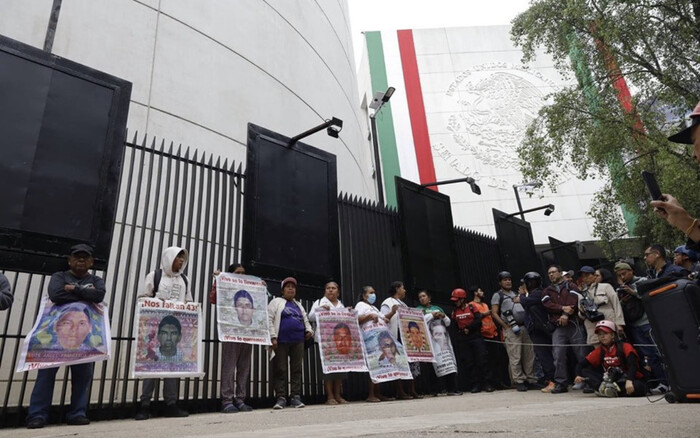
pixel 516 188
pixel 377 103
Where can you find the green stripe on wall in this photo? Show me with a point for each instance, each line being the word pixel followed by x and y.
pixel 385 122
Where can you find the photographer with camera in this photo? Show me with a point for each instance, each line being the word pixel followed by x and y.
pixel 538 325
pixel 561 301
pixel 510 315
pixel 638 328
pixel 613 368
pixel 598 301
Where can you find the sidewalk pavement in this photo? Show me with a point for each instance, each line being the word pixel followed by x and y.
pixel 503 413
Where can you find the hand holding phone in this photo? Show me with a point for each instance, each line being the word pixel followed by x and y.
pixel 652 186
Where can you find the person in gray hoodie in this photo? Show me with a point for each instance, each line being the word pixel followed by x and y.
pixel 168 284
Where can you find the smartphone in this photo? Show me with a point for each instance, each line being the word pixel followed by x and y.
pixel 652 186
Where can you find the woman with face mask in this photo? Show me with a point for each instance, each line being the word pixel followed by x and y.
pixel 367 312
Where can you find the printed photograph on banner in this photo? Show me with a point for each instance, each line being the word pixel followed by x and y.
pixel 65 334
pixel 241 309
pixel 385 357
pixel 168 339
pixel 414 335
pixel 445 362
pixel 341 343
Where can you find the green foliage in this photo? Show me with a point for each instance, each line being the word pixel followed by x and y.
pixel 656 48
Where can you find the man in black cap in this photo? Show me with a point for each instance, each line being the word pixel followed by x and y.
pixel 76 284
pixel 669 208
pixel 6 297
pixel 509 314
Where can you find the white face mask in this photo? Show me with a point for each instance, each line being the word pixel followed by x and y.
pixel 371 298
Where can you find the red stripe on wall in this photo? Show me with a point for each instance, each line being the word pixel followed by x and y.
pixel 416 108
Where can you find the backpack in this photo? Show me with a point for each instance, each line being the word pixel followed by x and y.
pixel 158 274
pixel 518 309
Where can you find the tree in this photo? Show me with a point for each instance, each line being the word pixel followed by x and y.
pixel 596 126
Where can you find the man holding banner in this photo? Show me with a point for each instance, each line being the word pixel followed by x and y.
pixel 241 310
pixel 167 315
pixel 72 289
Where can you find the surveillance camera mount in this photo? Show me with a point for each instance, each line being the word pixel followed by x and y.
pixel 549 209
pixel 469 180
pixel 333 127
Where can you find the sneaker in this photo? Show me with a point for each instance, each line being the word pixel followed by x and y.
pixel 81 420
pixel 36 423
pixel 281 403
pixel 489 388
pixel 296 402
pixel 174 412
pixel 535 385
pixel 587 388
pixel 456 393
pixel 559 388
pixel 143 414
pixel 660 389
pixel 521 387
pixel 242 407
pixel 229 409
pixel 550 386
pixel 476 389
pixel 577 386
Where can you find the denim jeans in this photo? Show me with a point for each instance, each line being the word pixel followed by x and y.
pixel 642 335
pixel 42 394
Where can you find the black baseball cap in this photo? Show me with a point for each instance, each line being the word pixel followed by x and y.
pixel 684 136
pixel 81 247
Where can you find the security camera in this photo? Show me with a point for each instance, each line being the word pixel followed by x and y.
pixel 549 210
pixel 333 131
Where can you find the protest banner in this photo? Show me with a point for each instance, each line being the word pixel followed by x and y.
pixel 168 339
pixel 385 357
pixel 241 309
pixel 341 346
pixel 445 362
pixel 66 334
pixel 414 335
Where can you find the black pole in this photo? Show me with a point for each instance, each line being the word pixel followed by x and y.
pixel 449 181
pixel 520 206
pixel 377 163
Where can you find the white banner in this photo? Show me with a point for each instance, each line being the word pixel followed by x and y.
pixel 66 334
pixel 241 309
pixel 168 339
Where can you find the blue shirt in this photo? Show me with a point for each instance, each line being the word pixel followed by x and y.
pixel 291 324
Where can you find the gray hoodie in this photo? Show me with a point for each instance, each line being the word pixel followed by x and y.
pixel 172 287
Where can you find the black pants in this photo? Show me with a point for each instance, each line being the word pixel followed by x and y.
pixel 595 378
pixel 473 360
pixel 434 384
pixel 543 351
pixel 498 363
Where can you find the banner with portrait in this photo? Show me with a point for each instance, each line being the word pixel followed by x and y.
pixel 414 335
pixel 66 334
pixel 385 357
pixel 168 339
pixel 241 309
pixel 341 346
pixel 445 362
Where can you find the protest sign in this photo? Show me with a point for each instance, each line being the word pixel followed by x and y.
pixel 168 339
pixel 386 358
pixel 445 362
pixel 414 335
pixel 66 334
pixel 341 347
pixel 241 309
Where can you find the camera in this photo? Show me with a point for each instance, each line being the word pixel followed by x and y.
pixel 590 310
pixel 510 319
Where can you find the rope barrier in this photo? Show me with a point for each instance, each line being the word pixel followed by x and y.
pixel 557 345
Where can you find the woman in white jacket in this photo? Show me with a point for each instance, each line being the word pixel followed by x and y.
pixel 289 326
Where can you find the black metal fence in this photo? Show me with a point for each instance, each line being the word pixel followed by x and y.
pixel 170 196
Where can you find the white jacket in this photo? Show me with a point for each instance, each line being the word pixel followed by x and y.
pixel 274 314
pixel 171 287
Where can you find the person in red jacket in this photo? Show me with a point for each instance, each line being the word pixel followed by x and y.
pixel 471 350
pixel 618 359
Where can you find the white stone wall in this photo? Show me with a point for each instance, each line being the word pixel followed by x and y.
pixel 201 70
